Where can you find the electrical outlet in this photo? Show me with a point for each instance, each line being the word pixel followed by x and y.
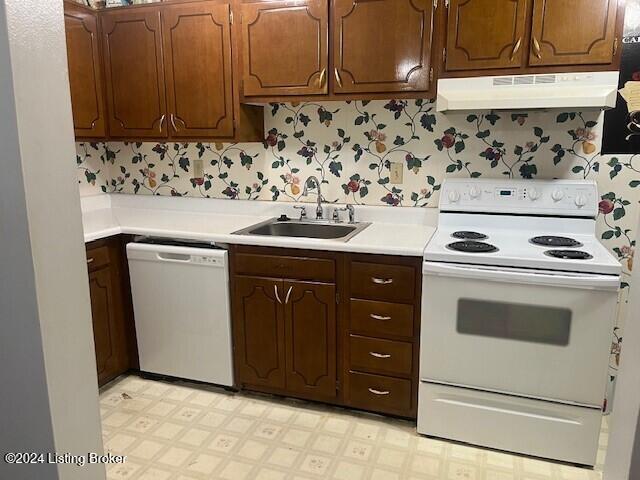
pixel 397 170
pixel 198 168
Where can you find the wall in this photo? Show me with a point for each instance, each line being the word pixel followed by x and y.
pixel 350 145
pixel 49 399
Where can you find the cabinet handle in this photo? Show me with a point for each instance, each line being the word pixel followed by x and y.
pixel 90 260
pixel 379 355
pixel 275 289
pixel 379 317
pixel 338 79
pixel 323 77
pixel 161 122
pixel 173 123
pixel 536 48
pixel 286 300
pixel 382 281
pixel 379 392
pixel 516 48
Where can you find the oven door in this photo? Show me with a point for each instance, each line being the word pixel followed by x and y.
pixel 537 334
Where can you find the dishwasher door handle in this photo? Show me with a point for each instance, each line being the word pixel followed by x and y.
pixel 174 257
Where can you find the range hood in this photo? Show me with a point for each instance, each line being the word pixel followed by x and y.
pixel 518 92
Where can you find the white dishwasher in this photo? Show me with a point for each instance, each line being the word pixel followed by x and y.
pixel 181 306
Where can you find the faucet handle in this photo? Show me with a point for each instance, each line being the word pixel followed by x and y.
pixel 303 211
pixel 347 208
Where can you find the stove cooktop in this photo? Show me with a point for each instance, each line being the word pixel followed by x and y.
pixel 509 243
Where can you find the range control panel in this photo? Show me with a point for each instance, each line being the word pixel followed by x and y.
pixel 570 198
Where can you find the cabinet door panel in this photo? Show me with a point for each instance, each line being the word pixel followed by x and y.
pixel 134 73
pixel 259 332
pixel 573 32
pixel 285 47
pixel 485 34
pixel 382 45
pixel 103 316
pixel 197 53
pixel 85 76
pixel 310 318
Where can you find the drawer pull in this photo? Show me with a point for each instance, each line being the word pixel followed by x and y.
pixel 379 355
pixel 382 281
pixel 379 317
pixel 275 289
pixel 379 392
pixel 90 260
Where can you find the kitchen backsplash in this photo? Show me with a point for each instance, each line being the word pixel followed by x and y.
pixel 351 146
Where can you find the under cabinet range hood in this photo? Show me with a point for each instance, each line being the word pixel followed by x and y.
pixel 517 92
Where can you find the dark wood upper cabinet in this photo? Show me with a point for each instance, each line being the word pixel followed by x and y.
pixel 382 45
pixel 485 34
pixel 285 47
pixel 310 338
pixel 85 73
pixel 259 332
pixel 132 46
pixel 573 32
pixel 197 60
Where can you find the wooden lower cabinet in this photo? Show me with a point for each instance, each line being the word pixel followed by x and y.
pixel 112 317
pixel 310 337
pixel 306 325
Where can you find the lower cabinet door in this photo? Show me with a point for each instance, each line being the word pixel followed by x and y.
pixel 310 333
pixel 259 332
pixel 103 310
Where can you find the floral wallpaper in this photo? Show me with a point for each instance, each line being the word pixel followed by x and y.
pixel 351 147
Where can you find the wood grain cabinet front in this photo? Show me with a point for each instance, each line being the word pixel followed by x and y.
pixel 485 34
pixel 382 46
pixel 285 47
pixel 134 71
pixel 573 32
pixel 197 60
pixel 111 311
pixel 85 71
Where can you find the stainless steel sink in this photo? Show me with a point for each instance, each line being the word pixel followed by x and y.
pixel 305 229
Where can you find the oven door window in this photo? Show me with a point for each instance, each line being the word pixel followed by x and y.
pixel 527 323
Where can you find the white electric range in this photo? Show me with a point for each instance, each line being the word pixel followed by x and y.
pixel 519 300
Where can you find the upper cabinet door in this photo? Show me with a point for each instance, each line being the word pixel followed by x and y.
pixel 483 34
pixel 285 47
pixel 85 76
pixel 573 32
pixel 382 45
pixel 134 73
pixel 197 52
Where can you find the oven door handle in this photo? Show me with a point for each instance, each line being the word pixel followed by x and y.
pixel 587 281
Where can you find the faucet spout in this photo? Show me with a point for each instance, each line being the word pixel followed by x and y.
pixel 311 181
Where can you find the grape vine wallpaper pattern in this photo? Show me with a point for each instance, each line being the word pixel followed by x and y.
pixel 350 147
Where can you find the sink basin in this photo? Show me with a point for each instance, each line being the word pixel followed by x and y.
pixel 305 229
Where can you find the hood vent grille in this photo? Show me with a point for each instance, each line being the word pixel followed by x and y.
pixel 520 80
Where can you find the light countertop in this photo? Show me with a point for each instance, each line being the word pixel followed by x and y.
pixel 392 231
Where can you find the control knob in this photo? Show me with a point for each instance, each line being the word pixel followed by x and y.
pixel 475 192
pixel 581 201
pixel 557 195
pixel 533 193
pixel 454 196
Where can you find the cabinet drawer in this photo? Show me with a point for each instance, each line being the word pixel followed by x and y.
pixel 379 281
pixel 97 257
pixel 380 356
pixel 381 318
pixel 280 266
pixel 380 394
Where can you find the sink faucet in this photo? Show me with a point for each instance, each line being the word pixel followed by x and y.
pixel 305 192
